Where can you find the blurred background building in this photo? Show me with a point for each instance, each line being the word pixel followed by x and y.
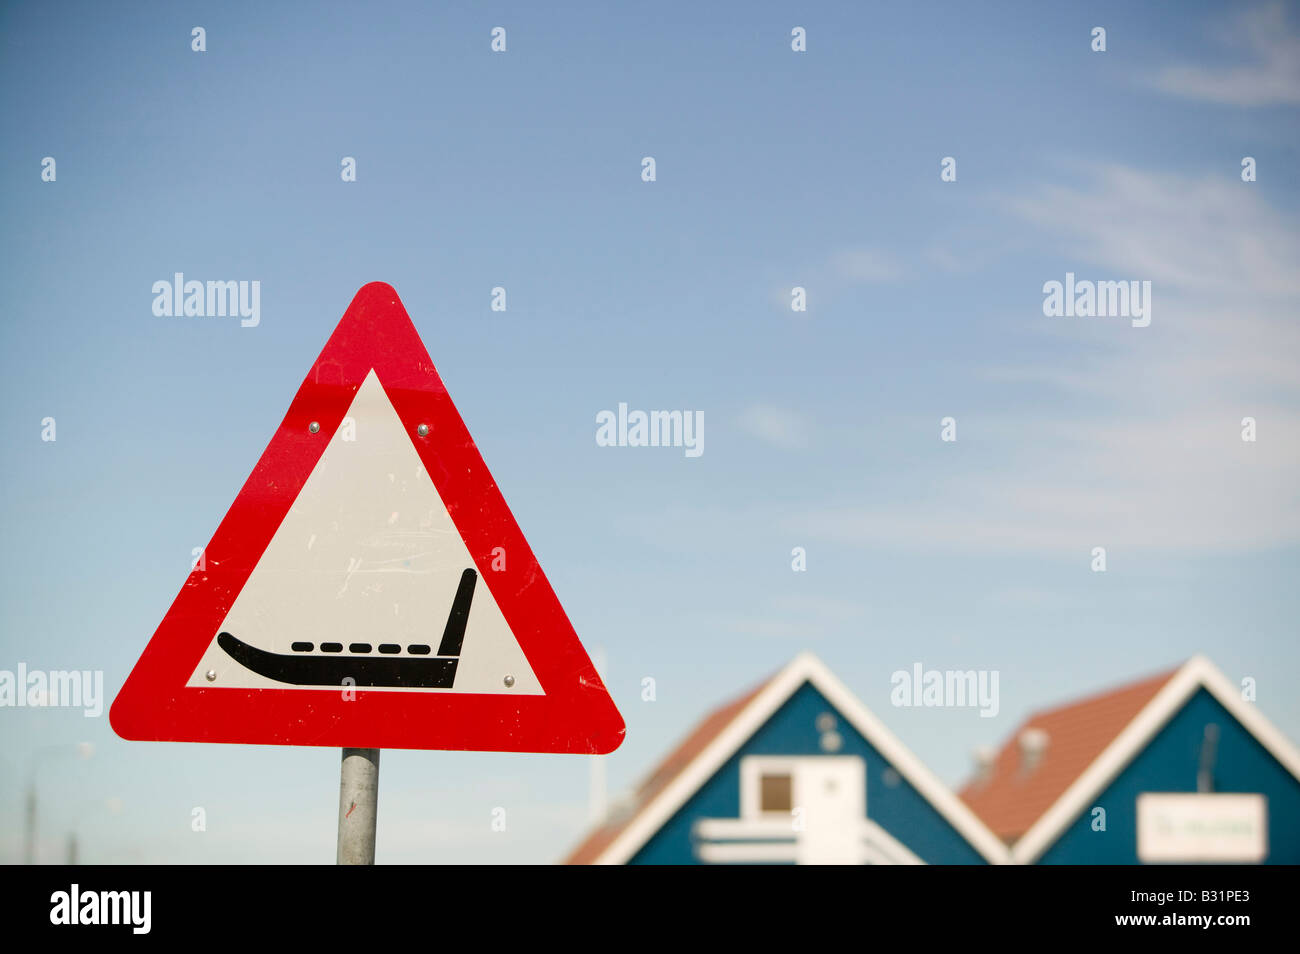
pixel 1179 767
pixel 795 771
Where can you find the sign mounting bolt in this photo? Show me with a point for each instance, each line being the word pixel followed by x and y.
pixel 210 675
pixel 509 681
pixel 314 426
pixel 423 430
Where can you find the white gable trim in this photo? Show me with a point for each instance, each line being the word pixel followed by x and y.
pixel 880 847
pixel 1197 673
pixel 803 668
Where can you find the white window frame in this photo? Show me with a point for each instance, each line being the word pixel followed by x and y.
pixel 754 767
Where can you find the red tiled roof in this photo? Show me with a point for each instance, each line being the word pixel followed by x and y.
pixel 1011 799
pixel 696 742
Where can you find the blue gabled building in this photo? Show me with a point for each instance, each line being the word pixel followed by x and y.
pixel 1180 767
pixel 795 771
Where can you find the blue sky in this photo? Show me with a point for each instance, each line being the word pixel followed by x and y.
pixel 774 169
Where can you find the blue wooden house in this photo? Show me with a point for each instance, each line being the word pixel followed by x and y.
pixel 795 771
pixel 1180 767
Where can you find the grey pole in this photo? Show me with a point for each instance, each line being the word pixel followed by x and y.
pixel 29 828
pixel 84 749
pixel 358 805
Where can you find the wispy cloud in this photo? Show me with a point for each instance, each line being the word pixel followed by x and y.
pixel 796 617
pixel 966 249
pixel 1150 454
pixel 1271 77
pixel 776 426
pixel 1194 235
pixel 842 269
pixel 866 266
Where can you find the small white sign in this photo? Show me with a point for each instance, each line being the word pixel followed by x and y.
pixel 1202 827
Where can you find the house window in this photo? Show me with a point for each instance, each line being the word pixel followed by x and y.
pixel 772 786
pixel 776 792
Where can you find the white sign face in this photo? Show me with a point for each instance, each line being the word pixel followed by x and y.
pixel 1202 827
pixel 364 579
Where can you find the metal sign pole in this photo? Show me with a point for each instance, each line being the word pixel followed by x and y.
pixel 29 830
pixel 358 806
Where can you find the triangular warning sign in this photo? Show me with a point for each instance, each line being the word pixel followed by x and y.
pixel 369 587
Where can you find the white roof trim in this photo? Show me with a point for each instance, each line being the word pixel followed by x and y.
pixel 1198 672
pixel 803 668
